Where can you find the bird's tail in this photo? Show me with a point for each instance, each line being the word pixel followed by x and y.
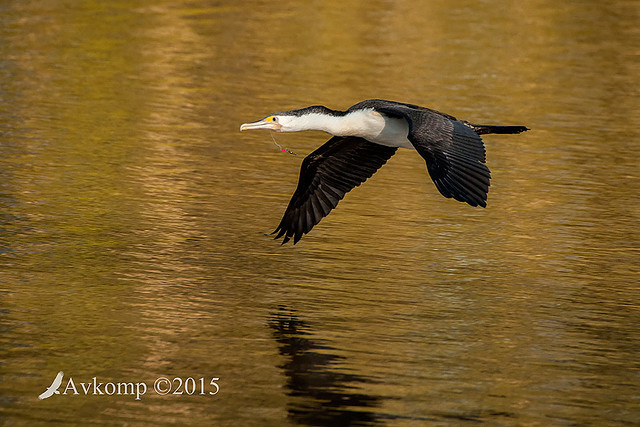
pixel 484 129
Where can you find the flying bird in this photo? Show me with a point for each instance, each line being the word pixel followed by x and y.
pixel 53 388
pixel 365 136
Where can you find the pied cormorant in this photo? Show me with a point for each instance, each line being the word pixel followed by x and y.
pixel 364 138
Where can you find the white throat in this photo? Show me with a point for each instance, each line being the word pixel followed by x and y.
pixel 367 124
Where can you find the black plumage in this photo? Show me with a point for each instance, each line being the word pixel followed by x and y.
pixel 452 149
pixel 326 175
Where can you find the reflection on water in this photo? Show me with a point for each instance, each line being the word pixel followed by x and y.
pixel 133 213
pixel 329 397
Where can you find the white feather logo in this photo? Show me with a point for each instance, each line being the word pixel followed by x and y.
pixel 53 388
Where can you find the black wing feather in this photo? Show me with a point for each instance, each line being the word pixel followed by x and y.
pixel 453 151
pixel 326 175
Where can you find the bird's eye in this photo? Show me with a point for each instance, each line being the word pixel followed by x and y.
pixel 275 119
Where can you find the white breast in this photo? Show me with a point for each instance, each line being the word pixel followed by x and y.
pixel 376 127
pixel 393 133
pixel 367 124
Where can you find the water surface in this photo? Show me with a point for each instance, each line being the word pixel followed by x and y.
pixel 133 213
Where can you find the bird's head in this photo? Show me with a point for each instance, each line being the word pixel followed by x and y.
pixel 275 122
pixel 310 118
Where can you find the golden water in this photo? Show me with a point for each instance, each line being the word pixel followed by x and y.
pixel 133 213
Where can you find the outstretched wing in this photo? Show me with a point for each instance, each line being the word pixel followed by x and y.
pixel 57 381
pixel 454 153
pixel 326 175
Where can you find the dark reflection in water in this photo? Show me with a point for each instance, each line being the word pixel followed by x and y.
pixel 330 396
pixel 132 212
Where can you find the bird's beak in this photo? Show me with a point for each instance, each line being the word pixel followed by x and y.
pixel 266 123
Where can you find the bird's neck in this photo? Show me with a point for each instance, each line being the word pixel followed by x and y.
pixel 363 123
